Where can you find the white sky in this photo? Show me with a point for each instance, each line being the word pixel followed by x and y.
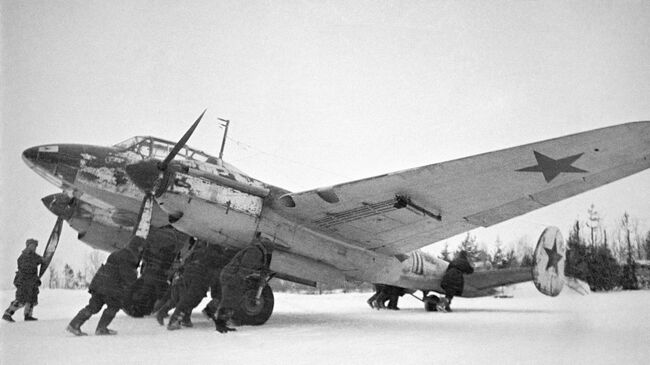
pixel 319 92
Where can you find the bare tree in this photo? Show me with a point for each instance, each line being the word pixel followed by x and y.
pixel 95 260
pixel 523 249
pixel 628 232
pixel 53 280
pixel 593 223
pixel 629 279
pixel 68 277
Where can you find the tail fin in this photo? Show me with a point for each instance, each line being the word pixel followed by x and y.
pixel 549 257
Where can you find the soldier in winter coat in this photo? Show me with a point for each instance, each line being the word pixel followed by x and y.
pixel 383 294
pixel 110 286
pixel 215 294
pixel 26 282
pixel 393 293
pixel 372 301
pixel 198 270
pixel 152 284
pixel 247 262
pixel 453 281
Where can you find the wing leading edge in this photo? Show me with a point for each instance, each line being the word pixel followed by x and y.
pixel 398 212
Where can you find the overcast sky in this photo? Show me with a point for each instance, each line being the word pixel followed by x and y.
pixel 319 92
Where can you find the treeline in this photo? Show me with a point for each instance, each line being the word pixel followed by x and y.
pixel 498 257
pixel 66 277
pixel 605 260
pixel 608 261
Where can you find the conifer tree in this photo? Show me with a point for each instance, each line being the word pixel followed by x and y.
pixel 628 278
pixel 510 259
pixel 604 271
pixel 498 258
pixel 576 257
pixel 470 246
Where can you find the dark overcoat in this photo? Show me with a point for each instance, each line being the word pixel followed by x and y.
pixel 198 270
pixel 453 281
pixel 248 261
pixel 200 267
pixel 116 276
pixel 26 280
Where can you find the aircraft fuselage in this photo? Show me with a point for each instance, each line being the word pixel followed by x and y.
pixel 213 201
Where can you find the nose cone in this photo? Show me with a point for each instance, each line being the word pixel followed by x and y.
pixel 59 204
pixel 30 155
pixel 56 163
pixel 42 159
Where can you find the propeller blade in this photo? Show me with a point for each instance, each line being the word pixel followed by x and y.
pixel 181 143
pixel 52 243
pixel 144 217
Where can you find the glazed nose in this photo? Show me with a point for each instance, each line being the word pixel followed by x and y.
pixel 43 154
pixel 30 154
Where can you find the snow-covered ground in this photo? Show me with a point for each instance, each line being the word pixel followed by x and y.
pixel 341 329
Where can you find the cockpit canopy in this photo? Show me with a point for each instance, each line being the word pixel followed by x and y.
pixel 151 147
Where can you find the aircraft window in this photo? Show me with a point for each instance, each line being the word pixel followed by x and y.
pixel 199 157
pixel 160 151
pixel 149 147
pixel 128 143
pixel 144 150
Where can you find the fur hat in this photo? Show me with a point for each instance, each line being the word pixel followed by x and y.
pixel 30 241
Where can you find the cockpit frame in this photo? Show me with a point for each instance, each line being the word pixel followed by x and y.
pixel 156 148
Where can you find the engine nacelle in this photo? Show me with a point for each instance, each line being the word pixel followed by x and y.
pixel 549 258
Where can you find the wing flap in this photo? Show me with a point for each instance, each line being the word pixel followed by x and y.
pixel 504 212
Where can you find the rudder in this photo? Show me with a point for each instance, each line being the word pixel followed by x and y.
pixel 549 258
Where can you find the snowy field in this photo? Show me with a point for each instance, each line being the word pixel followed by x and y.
pixel 342 329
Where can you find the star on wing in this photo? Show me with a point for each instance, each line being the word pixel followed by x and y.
pixel 551 168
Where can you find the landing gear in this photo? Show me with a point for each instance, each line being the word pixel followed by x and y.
pixel 253 301
pixel 431 303
pixel 253 311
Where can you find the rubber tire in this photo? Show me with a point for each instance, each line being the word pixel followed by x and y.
pixel 254 315
pixel 430 303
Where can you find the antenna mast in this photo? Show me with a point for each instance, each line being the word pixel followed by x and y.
pixel 225 134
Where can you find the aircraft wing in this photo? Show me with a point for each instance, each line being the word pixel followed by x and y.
pixel 398 212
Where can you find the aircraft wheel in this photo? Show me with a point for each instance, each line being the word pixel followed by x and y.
pixel 255 313
pixel 430 303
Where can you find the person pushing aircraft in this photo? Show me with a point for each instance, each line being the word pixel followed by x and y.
pixel 249 261
pixel 109 286
pixel 198 271
pixel 453 281
pixel 26 282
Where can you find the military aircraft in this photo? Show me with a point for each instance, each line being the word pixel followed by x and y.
pixel 368 230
